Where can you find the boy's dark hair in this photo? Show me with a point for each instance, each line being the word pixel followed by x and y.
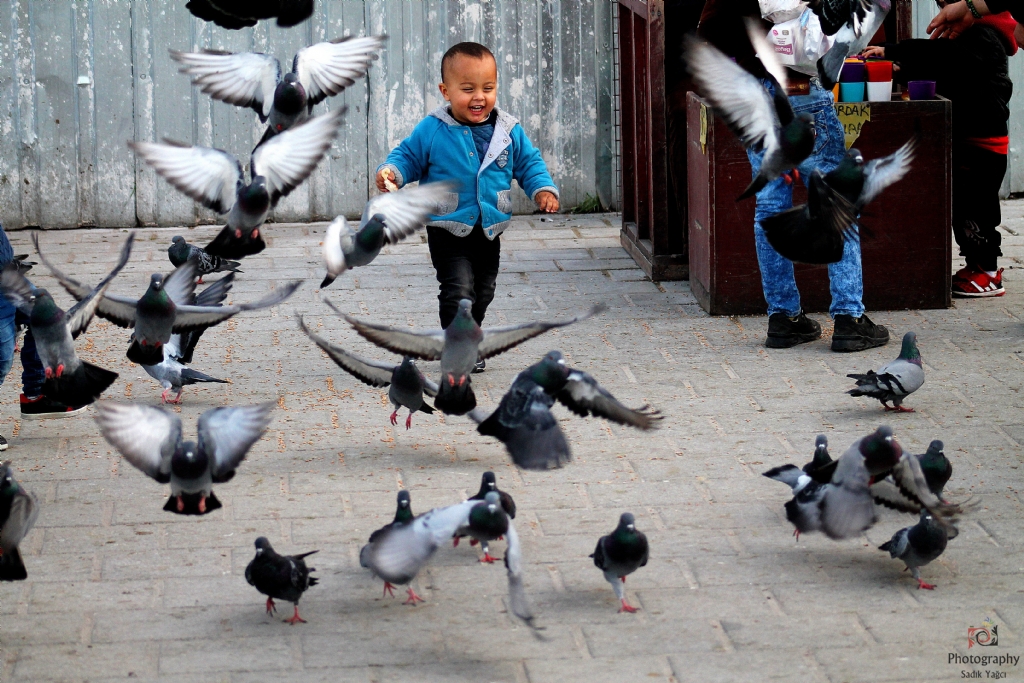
pixel 474 50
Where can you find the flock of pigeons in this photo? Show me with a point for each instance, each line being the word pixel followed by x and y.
pixel 837 497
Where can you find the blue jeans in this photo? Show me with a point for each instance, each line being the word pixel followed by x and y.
pixel 33 375
pixel 845 278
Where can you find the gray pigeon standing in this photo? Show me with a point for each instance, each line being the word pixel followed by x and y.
pixel 458 347
pixel 399 553
pixel 895 380
pixel 387 219
pixel 150 439
pixel 69 379
pixel 852 38
pixel 761 121
pixel 254 79
pixel 215 178
pixel 917 546
pixel 18 511
pixel 619 554
pixel 173 376
pixel 181 251
pixel 163 309
pixel 406 383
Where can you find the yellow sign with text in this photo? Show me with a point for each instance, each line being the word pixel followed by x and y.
pixel 853 116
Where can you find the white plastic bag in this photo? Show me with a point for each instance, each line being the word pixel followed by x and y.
pixel 800 42
pixel 778 11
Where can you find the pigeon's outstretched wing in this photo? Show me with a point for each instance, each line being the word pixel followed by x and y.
pixel 80 315
pixel 499 339
pixel 517 601
pixel 911 482
pixel 16 288
pixel 245 79
pixel 340 238
pixel 373 373
pixel 20 519
pixel 227 434
pixel 407 210
pixel 207 175
pixel 288 158
pixel 191 317
pixel 584 396
pixel 524 424
pixel 145 435
pixel 814 232
pixel 325 69
pixel 881 173
pixel 424 345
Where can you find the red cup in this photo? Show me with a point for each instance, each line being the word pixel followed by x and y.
pixel 879 70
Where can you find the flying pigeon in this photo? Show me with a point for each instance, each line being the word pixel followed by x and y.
pixel 254 79
pixel 18 511
pixel 163 309
pixel 407 384
pixel 936 467
pixel 524 423
pixel 181 251
pixel 815 232
pixel 69 379
pixel 387 219
pixel 458 347
pixel 895 380
pixel 215 178
pixel 238 14
pixel 619 554
pixel 761 121
pixel 802 510
pixel 918 545
pixel 834 14
pixel 149 438
pixel 23 264
pixel 284 577
pixel 852 38
pixel 847 506
pixel 401 551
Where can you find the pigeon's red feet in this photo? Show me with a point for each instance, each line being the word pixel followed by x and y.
pixel 413 598
pixel 488 558
pixel 202 504
pixel 238 234
pixel 295 618
pixel 255 233
pixel 163 396
pixel 622 579
pixel 626 607
pixel 455 542
pixel 177 399
pixel 271 607
pixel 500 538
pixel 462 380
pixel 451 380
pixel 408 422
pixel 796 534
pixel 389 589
pixel 181 504
pixel 60 369
pixel 200 280
pixel 48 372
pixel 926 586
pixel 796 174
pixel 394 417
pixel 473 541
pixel 788 178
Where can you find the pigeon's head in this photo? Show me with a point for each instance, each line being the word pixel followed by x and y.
pixel 465 305
pixel 189 462
pixel 493 501
pixel 489 482
pixel 936 447
pixel 7 478
pixel 820 442
pixel 262 544
pixel 627 521
pixel 555 357
pixel 404 500
pixel 289 97
pixel 909 351
pixel 156 281
pixel 552 371
pixel 177 240
pixel 855 156
pixel 880 451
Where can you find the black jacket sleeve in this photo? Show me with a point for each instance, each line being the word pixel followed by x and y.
pixel 1014 7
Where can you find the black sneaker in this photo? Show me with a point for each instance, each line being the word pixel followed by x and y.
pixel 784 332
pixel 479 367
pixel 857 334
pixel 3 443
pixel 43 408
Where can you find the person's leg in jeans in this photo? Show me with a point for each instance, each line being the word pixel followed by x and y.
pixel 454 267
pixel 486 257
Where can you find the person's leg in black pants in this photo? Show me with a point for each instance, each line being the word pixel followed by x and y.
pixel 486 262
pixel 977 177
pixel 467 268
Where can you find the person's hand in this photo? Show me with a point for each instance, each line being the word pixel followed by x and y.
pixel 384 178
pixel 546 201
pixel 874 51
pixel 951 21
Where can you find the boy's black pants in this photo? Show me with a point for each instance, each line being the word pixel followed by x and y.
pixel 467 268
pixel 977 177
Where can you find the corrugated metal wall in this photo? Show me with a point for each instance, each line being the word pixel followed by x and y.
pixel 78 79
pixel 1013 181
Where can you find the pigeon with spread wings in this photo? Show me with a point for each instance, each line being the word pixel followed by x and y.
pixel 18 511
pixel 150 439
pixel 69 379
pixel 215 178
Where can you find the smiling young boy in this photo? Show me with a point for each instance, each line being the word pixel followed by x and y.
pixel 482 149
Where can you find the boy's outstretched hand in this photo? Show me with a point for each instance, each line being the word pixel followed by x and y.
pixel 874 51
pixel 547 202
pixel 386 181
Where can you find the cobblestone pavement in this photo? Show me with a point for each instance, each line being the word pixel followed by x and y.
pixel 119 589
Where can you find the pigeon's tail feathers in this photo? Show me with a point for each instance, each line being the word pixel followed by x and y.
pixel 544 450
pixel 191 504
pixel 755 186
pixel 145 355
pixel 11 566
pixel 831 63
pixel 305 555
pixel 455 400
pixel 230 266
pixel 312 581
pixel 426 408
pixel 328 279
pixel 364 556
pixel 190 376
pixel 886 546
pixel 867 385
pixel 787 474
pixel 81 387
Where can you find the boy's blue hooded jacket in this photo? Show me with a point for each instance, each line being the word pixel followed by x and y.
pixel 441 148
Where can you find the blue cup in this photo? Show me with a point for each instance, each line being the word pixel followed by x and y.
pixel 851 92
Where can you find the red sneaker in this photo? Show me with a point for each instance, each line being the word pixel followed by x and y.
pixel 977 283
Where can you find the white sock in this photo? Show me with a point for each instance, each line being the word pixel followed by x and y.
pixel 990 273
